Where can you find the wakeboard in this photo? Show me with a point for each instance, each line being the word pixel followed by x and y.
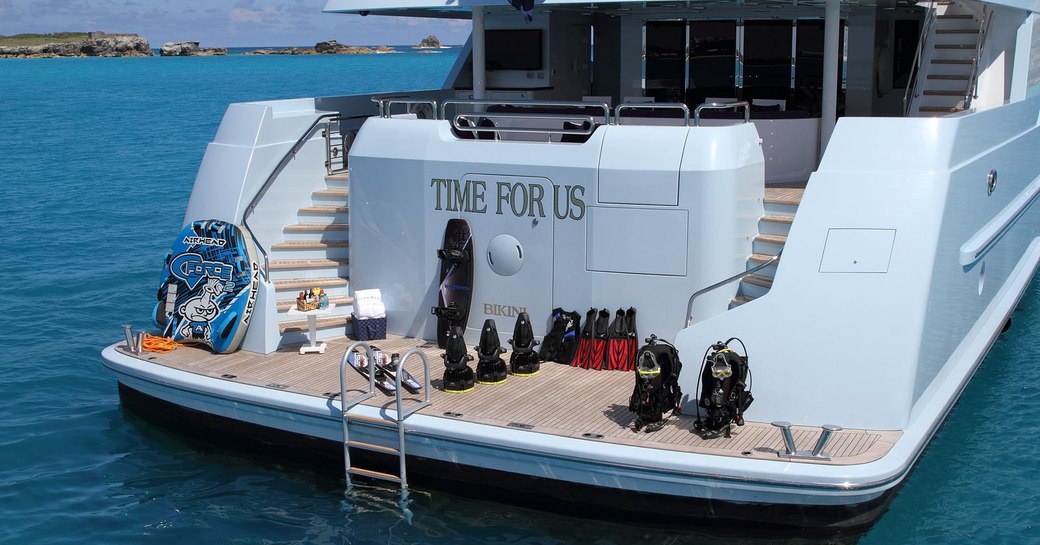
pixel 209 283
pixel 456 279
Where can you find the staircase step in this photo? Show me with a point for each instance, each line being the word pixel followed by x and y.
pixel 956 46
pixel 740 300
pixel 375 474
pixel 331 193
pixel 944 92
pixel 300 326
pixel 955 77
pixel 302 283
pixel 952 61
pixel 957 31
pixel 339 176
pixel 287 264
pixel 758 259
pixel 789 196
pixel 961 16
pixel 310 244
pixel 763 281
pixel 340 300
pixel 373 448
pixel 776 218
pixel 772 239
pixel 324 210
pixel 316 227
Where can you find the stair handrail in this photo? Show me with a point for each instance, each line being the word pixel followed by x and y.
pixel 289 155
pixel 346 405
pixel 720 283
pixel 403 414
pixel 971 92
pixel 911 82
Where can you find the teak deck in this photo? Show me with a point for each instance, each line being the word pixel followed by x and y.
pixel 559 400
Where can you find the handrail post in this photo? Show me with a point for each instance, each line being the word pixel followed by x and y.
pixel 911 83
pixel 345 406
pixel 401 414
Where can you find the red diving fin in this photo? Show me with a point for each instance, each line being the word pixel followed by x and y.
pixel 633 339
pixel 617 342
pixel 584 354
pixel 599 340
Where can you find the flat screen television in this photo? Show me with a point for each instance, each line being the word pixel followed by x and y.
pixel 513 49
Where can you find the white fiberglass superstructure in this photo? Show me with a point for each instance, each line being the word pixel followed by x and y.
pixel 847 187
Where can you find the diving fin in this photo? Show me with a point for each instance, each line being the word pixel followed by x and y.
pixel 524 360
pixel 598 354
pixel 617 343
pixel 633 339
pixel 584 353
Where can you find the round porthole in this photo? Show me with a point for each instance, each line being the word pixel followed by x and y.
pixel 505 255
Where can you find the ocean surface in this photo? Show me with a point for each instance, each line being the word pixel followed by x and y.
pixel 97 158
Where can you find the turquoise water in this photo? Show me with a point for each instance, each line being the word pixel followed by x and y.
pixel 98 159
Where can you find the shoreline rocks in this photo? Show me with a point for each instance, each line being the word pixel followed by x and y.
pixel 189 49
pixel 108 45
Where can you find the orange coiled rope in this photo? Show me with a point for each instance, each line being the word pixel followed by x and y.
pixel 161 345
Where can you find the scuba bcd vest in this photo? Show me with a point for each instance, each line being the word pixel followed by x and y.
pixel 657 384
pixel 725 391
pixel 561 342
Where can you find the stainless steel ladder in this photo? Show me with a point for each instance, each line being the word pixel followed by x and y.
pixel 402 414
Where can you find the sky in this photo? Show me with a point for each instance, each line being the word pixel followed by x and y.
pixel 223 23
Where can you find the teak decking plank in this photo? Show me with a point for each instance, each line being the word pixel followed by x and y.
pixel 559 400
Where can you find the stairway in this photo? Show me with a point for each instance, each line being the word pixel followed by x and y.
pixel 314 253
pixel 950 57
pixel 780 207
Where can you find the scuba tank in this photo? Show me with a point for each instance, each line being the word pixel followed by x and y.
pixel 657 384
pixel 491 368
pixel 725 390
pixel 524 360
pixel 458 375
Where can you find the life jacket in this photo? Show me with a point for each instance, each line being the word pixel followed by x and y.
pixel 656 390
pixel 725 391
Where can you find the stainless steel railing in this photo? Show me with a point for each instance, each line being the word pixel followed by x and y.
pixel 289 156
pixel 722 106
pixel 719 284
pixel 650 106
pixel 911 83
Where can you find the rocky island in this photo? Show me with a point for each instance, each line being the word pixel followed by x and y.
pixel 430 42
pixel 328 47
pixel 71 44
pixel 189 49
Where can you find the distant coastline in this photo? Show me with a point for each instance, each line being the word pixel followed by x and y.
pixel 101 44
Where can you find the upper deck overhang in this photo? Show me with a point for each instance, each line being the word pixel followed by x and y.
pixel 461 9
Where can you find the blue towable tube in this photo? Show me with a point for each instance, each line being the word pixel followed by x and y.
pixel 209 284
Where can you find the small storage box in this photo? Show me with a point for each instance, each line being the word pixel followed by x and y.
pixel 368 329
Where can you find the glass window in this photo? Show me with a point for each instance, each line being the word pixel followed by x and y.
pixel 665 60
pixel 713 50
